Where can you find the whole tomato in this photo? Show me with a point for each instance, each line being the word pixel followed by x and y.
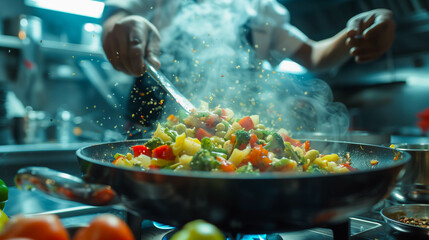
pixel 105 227
pixel 42 227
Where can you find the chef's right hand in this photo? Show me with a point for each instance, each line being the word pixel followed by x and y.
pixel 128 40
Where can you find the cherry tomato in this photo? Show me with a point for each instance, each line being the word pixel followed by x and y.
pixel 105 227
pixel 42 227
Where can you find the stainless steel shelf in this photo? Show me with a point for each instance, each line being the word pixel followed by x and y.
pixel 7 41
pixel 62 48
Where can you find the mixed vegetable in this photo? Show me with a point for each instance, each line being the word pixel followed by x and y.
pixel 218 141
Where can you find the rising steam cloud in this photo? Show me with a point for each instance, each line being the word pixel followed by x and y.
pixel 207 56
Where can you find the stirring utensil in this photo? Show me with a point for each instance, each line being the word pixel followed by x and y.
pixel 166 84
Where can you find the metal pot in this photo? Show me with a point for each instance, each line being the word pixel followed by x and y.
pixel 415 183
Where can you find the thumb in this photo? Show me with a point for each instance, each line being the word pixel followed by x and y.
pixel 153 49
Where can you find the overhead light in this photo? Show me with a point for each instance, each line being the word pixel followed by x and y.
pixel 87 8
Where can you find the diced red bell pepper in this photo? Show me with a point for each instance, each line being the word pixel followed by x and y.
pixel 141 149
pixel 211 121
pixel 154 167
pixel 350 168
pixel 163 152
pixel 292 141
pixel 117 159
pixel 201 133
pixel 307 146
pixel 225 165
pixel 246 123
pixel 253 140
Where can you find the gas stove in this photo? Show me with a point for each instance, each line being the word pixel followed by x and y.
pixel 74 215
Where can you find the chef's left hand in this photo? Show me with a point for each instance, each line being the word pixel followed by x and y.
pixel 370 34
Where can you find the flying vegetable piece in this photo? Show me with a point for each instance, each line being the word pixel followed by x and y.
pixel 203 160
pixel 242 138
pixel 154 143
pixel 276 145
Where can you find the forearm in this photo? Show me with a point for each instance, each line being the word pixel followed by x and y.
pixel 331 52
pixel 321 56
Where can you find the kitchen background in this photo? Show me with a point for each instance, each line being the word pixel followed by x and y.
pixel 60 88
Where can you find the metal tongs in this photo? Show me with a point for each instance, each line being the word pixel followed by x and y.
pixel 166 84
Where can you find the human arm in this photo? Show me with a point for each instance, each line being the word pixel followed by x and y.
pixel 367 36
pixel 127 39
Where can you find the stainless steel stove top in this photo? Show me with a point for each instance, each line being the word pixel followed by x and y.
pixel 73 215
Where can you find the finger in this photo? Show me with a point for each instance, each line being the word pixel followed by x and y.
pixel 136 59
pixel 113 56
pixel 124 51
pixel 137 45
pixel 375 29
pixel 367 23
pixel 355 41
pixel 363 51
pixel 153 50
pixel 366 58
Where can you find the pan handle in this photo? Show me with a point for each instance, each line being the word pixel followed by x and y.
pixel 64 186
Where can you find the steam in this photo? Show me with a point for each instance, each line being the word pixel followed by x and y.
pixel 207 56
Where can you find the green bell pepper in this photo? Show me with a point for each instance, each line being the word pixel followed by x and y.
pixel 4 193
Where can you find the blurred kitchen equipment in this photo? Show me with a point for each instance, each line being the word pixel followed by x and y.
pixel 415 184
pixel 23 26
pixel 293 201
pixel 392 214
pixel 166 84
pixel 350 136
pixel 32 127
pixel 91 34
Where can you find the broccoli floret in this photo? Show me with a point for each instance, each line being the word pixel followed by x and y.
pixel 276 145
pixel 206 143
pixel 290 152
pixel 241 137
pixel 171 133
pixel 247 169
pixel 313 168
pixel 203 160
pixel 154 143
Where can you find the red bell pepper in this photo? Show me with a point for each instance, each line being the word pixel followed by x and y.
pixel 292 141
pixel 211 121
pixel 307 146
pixel 350 168
pixel 141 149
pixel 253 141
pixel 163 152
pixel 225 165
pixel 246 123
pixel 201 133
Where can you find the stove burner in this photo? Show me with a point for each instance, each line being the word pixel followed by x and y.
pixel 149 230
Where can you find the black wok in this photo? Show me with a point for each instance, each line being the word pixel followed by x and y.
pixel 270 202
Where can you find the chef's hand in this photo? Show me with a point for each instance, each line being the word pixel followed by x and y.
pixel 129 39
pixel 370 34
